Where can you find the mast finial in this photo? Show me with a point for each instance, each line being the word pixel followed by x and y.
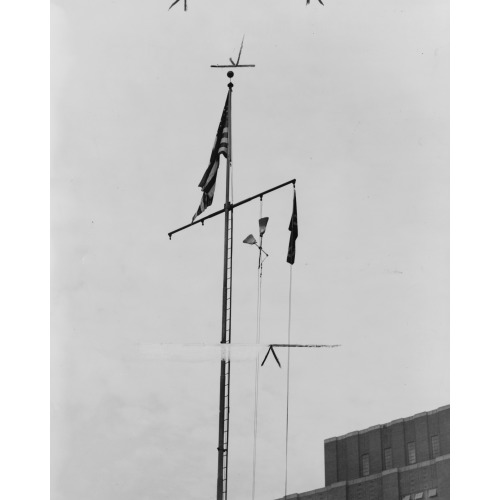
pixel 230 74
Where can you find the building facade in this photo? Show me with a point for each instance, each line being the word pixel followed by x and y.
pixel 406 459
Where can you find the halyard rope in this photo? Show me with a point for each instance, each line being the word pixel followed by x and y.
pixel 288 379
pixel 257 365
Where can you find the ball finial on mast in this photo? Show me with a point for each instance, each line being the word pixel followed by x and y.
pixel 230 74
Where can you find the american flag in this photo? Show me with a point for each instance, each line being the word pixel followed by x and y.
pixel 207 183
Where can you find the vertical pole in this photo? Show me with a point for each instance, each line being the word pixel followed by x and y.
pixel 220 448
pixel 226 323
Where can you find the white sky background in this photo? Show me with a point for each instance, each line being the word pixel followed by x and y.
pixel 351 99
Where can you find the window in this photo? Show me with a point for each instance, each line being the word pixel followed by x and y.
pixel 388 458
pixel 433 493
pixel 420 495
pixel 412 456
pixel 365 461
pixel 407 497
pixel 435 446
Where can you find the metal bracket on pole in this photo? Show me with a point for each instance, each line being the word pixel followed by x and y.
pixel 274 354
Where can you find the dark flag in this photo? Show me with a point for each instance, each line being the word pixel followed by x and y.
pixel 294 232
pixel 207 182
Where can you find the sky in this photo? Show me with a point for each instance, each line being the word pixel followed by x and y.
pixel 352 100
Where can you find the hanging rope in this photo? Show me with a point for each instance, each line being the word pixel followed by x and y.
pixel 288 378
pixel 232 176
pixel 257 362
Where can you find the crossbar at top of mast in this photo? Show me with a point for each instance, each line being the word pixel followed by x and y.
pixel 232 205
pixel 235 64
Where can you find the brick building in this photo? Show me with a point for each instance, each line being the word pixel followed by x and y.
pixel 406 459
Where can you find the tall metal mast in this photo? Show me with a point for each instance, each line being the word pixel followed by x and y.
pixel 225 364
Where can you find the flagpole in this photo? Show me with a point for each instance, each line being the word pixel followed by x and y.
pixel 207 185
pixel 222 467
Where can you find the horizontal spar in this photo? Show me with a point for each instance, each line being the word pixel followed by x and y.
pixel 232 65
pixel 231 206
pixel 272 346
pixel 233 344
pixel 304 345
pixel 200 352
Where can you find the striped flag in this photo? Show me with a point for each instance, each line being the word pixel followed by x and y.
pixel 294 232
pixel 207 183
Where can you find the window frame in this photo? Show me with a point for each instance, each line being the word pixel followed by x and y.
pixel 411 449
pixel 435 446
pixel 388 452
pixel 365 460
